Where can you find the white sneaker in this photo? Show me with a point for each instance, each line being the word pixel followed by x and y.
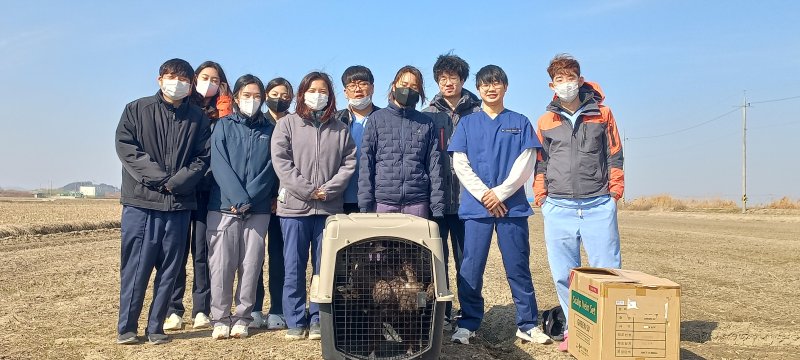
pixel 258 320
pixel 221 332
pixel 239 332
pixel 201 321
pixel 173 322
pixel 276 322
pixel 534 335
pixel 462 335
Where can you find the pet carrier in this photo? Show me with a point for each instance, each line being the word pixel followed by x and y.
pixel 382 287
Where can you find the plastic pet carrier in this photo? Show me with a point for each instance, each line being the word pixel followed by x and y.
pixel 382 287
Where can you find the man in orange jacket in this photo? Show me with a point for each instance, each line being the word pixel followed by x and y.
pixel 579 176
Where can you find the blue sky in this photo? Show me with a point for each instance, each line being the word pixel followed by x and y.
pixel 70 67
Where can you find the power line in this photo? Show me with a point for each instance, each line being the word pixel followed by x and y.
pixel 775 100
pixel 685 129
pixel 714 119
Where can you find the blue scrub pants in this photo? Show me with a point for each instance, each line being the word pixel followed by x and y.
pixel 570 222
pixel 512 238
pixel 299 235
pixel 151 239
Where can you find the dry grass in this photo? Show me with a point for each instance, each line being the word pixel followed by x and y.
pixel 39 217
pixel 60 294
pixel 784 203
pixel 669 203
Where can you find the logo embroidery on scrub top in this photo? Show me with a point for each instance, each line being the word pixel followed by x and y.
pixel 512 130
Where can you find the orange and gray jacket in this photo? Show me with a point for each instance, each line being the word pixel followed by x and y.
pixel 580 160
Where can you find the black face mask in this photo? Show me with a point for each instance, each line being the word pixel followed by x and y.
pixel 407 97
pixel 278 105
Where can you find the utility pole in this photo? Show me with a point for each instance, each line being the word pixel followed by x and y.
pixel 744 152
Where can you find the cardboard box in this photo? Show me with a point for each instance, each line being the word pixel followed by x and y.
pixel 623 314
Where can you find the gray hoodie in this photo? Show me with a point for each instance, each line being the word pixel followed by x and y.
pixel 308 155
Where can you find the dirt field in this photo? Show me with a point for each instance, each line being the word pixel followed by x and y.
pixel 59 293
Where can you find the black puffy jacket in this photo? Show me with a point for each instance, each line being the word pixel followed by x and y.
pixel 399 162
pixel 162 147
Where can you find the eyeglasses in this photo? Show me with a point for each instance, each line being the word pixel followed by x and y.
pixel 453 79
pixel 353 86
pixel 496 85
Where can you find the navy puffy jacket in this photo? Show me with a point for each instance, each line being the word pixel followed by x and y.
pixel 399 162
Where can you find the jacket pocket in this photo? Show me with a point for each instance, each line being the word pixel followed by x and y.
pixel 293 203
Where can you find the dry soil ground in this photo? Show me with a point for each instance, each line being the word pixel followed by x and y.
pixel 741 284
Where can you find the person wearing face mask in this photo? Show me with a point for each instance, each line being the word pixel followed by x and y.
pixel 159 181
pixel 359 86
pixel 448 106
pixel 239 207
pixel 494 153
pixel 314 158
pixel 279 98
pixel 579 177
pixel 211 94
pixel 400 170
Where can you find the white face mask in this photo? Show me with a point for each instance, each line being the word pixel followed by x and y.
pixel 360 104
pixel 175 89
pixel 248 107
pixel 316 101
pixel 567 91
pixel 206 88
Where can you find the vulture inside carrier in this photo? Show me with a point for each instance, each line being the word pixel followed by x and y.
pixel 390 275
pixel 382 287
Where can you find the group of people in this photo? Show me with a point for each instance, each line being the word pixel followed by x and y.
pixel 221 171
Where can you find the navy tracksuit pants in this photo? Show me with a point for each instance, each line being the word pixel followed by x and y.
pixel 300 234
pixel 151 239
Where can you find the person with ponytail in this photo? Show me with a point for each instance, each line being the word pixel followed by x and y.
pixel 399 169
pixel 239 207
pixel 314 158
pixel 279 99
pixel 212 95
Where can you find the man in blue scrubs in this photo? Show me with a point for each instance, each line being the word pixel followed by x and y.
pixel 494 153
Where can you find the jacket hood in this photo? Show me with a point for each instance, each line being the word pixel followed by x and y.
pixel 589 92
pixel 468 100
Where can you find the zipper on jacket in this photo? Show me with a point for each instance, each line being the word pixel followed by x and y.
pixel 402 158
pixel 169 156
pixel 316 173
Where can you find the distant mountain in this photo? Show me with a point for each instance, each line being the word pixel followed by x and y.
pixel 101 188
pixel 13 188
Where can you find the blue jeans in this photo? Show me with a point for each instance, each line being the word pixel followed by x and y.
pixel 512 238
pixel 299 235
pixel 570 222
pixel 151 239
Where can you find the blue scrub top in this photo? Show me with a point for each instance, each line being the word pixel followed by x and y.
pixel 492 146
pixel 357 133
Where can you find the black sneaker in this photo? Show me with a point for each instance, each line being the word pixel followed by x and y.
pixel 127 338
pixel 157 339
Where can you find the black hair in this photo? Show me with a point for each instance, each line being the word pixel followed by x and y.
pixel 452 64
pixel 278 81
pixel 414 71
pixel 197 98
pixel 357 73
pixel 177 67
pixel 489 74
pixel 245 80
